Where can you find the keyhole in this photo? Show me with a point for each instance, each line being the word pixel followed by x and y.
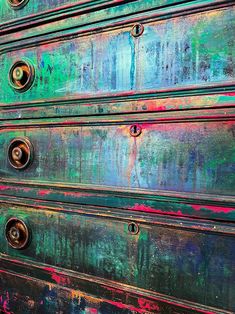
pixel 133 228
pixel 135 130
pixel 137 30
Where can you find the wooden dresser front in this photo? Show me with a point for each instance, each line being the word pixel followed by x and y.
pixel 117 157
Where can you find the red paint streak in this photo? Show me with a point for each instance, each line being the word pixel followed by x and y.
pixel 5 304
pixel 3 187
pixel 148 209
pixel 215 209
pixel 229 94
pixel 148 305
pixel 92 311
pixel 114 290
pixel 125 306
pixel 43 192
pixel 59 279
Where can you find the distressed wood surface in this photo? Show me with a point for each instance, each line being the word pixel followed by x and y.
pixel 177 261
pixel 114 62
pixel 90 178
pixel 118 105
pixel 45 297
pixel 188 155
pixel 95 20
pixel 36 10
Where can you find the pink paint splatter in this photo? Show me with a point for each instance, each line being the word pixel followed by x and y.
pixel 148 209
pixel 43 192
pixel 148 305
pixel 3 187
pixel 91 311
pixel 229 94
pixel 58 278
pixel 125 306
pixel 215 209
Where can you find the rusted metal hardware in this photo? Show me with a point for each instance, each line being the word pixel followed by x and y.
pixel 135 130
pixel 17 233
pixel 133 228
pixel 20 153
pixel 21 75
pixel 17 4
pixel 137 30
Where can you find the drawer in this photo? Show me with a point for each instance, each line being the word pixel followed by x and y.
pixel 112 62
pixel 184 259
pixel 126 162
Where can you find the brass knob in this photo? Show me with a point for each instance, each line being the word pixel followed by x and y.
pixel 17 4
pixel 18 73
pixel 17 233
pixel 20 153
pixel 21 75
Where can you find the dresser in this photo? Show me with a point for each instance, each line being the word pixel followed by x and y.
pixel 117 157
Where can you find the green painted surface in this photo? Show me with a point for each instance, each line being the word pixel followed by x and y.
pixel 86 168
pixel 183 263
pixel 7 14
pixel 196 157
pixel 114 63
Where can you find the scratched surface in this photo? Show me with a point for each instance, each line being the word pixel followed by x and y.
pixel 33 7
pixel 171 55
pixel 179 262
pixel 89 177
pixel 50 298
pixel 196 157
pixel 89 107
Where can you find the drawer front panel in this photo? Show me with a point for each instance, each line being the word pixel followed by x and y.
pixel 183 262
pixel 114 62
pixel 185 156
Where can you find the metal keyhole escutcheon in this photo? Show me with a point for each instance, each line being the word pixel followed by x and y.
pixel 17 4
pixel 20 153
pixel 137 30
pixel 135 130
pixel 17 233
pixel 133 228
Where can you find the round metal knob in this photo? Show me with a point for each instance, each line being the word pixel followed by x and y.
pixel 17 4
pixel 21 75
pixel 20 153
pixel 17 233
